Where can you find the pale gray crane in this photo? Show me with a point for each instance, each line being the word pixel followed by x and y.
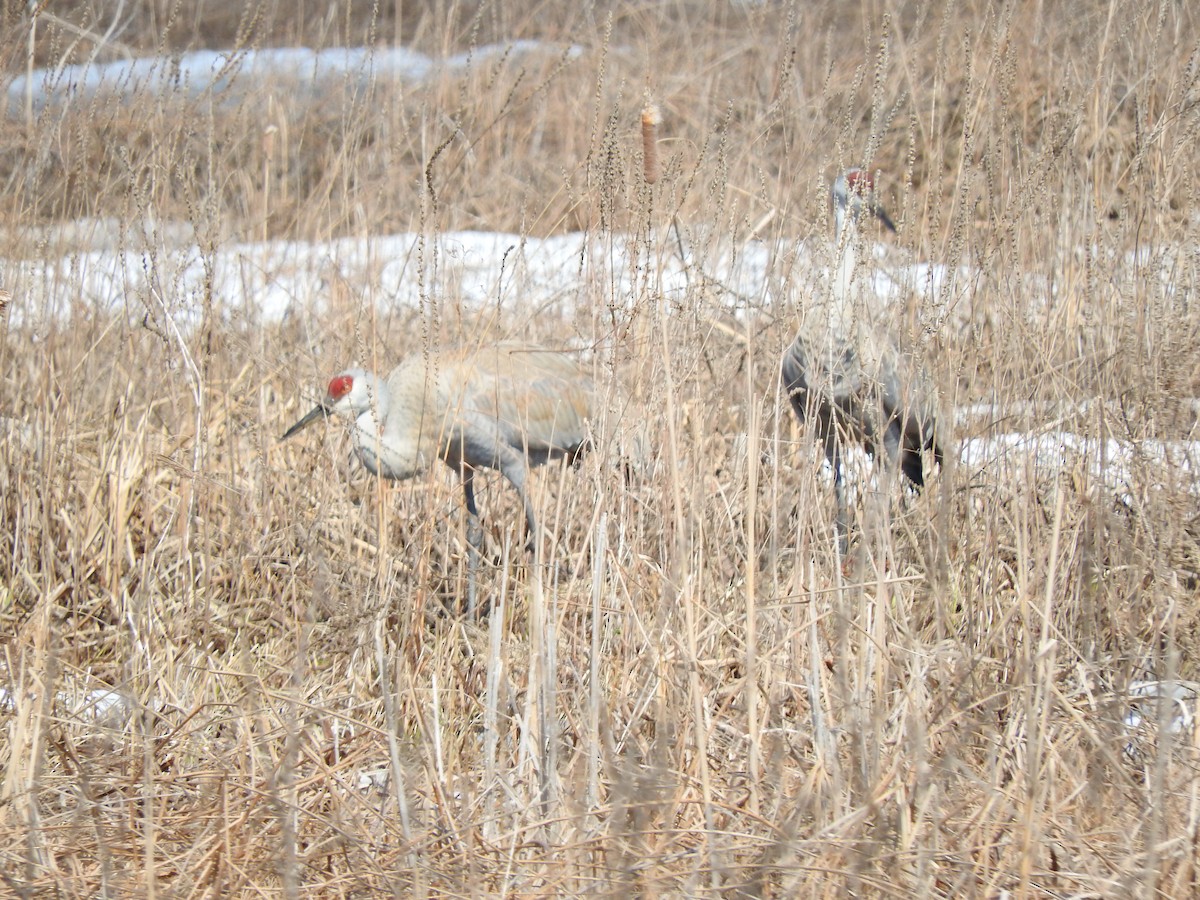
pixel 504 406
pixel 846 372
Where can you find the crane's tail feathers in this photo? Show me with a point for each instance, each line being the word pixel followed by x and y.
pixel 913 467
pixel 912 462
pixel 574 454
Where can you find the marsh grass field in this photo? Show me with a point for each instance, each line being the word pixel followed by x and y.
pixel 233 667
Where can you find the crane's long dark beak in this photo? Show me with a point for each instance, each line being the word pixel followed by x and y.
pixel 316 412
pixel 882 216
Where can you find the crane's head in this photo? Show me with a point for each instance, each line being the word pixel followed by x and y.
pixel 350 394
pixel 854 192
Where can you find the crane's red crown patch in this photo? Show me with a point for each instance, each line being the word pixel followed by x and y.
pixel 340 386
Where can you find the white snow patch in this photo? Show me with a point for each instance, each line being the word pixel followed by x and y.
pixel 1128 468
pixel 265 282
pixel 242 73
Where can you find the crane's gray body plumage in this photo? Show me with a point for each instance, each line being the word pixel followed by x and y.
pixel 845 371
pixel 865 390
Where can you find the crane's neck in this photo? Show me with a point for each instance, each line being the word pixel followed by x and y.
pixel 845 294
pixel 383 443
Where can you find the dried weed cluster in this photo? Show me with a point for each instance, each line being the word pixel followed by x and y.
pixel 693 698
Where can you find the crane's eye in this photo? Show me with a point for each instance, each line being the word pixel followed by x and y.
pixel 340 386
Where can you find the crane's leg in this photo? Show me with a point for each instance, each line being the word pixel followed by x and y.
pixel 512 467
pixel 833 453
pixel 474 538
pixel 892 446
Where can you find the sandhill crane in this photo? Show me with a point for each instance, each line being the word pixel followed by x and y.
pixel 845 370
pixel 503 406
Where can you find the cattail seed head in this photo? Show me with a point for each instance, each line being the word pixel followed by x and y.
pixel 651 119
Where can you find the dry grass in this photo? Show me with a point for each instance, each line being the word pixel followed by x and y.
pixel 695 699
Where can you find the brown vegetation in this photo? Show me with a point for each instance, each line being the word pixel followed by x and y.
pixel 695 698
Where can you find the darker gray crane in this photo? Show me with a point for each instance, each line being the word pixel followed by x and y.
pixel 846 373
